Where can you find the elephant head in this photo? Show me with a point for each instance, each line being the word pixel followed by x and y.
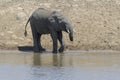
pixel 61 24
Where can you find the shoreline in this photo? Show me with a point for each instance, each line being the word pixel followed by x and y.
pixel 66 51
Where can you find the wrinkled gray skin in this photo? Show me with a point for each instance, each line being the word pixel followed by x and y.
pixel 45 22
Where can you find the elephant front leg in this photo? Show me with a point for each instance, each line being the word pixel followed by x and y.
pixel 61 40
pixel 55 44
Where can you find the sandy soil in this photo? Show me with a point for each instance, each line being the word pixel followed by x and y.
pixel 96 23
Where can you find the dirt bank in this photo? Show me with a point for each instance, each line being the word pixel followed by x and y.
pixel 96 23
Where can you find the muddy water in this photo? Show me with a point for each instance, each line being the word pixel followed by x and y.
pixel 81 65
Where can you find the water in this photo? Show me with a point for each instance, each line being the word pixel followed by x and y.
pixel 75 65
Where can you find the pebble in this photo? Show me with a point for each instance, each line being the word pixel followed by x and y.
pixel 21 16
pixel 14 36
pixel 10 32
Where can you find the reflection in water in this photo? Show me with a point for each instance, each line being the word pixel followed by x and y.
pixel 57 60
pixel 37 59
pixel 62 60
pixel 50 60
pixel 74 66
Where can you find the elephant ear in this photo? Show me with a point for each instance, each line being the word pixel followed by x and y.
pixel 56 17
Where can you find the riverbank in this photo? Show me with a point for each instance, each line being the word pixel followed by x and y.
pixel 96 23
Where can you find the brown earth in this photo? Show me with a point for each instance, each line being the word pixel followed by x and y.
pixel 96 23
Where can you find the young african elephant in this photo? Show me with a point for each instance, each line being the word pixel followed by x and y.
pixel 45 22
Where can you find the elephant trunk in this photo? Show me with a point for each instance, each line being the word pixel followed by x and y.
pixel 70 31
pixel 71 34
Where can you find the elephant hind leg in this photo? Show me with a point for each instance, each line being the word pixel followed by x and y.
pixel 36 39
pixel 37 43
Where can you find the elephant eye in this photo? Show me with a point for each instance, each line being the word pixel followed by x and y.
pixel 51 20
pixel 60 21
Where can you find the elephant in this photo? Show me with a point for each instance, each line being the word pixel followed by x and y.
pixel 44 21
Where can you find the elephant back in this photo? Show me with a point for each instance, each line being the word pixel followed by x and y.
pixel 41 13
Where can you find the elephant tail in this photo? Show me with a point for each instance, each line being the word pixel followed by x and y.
pixel 25 33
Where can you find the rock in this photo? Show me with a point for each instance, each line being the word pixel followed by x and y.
pixel 14 36
pixel 21 16
pixel 2 34
pixel 10 32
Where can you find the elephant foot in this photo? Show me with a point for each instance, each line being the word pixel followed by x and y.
pixel 36 51
pixel 42 49
pixel 55 51
pixel 61 50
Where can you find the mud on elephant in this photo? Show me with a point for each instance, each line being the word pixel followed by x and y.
pixel 46 22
